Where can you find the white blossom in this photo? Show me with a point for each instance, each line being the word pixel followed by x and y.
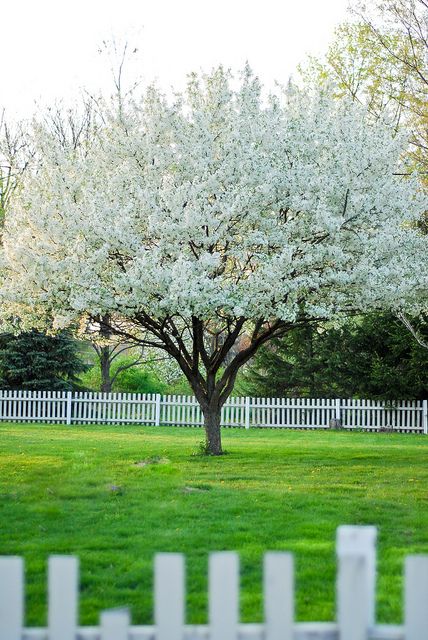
pixel 218 203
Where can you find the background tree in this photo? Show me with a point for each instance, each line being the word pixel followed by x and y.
pixel 381 60
pixel 369 357
pixel 36 361
pixel 191 223
pixel 355 65
pixel 398 31
pixel 15 156
pixel 110 350
pixel 132 379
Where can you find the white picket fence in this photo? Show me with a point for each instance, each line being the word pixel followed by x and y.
pixel 355 600
pixel 154 409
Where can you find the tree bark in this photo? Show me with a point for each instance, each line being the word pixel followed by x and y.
pixel 212 417
pixel 105 363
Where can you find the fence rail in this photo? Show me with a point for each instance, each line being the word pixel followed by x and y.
pixel 355 600
pixel 154 409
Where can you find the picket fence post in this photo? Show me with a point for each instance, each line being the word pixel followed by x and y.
pixel 11 598
pixel 68 407
pixel 356 581
pixel 415 597
pixel 157 409
pixel 278 593
pixel 337 412
pixel 425 416
pixel 169 595
pixel 223 601
pixel 247 412
pixel 63 588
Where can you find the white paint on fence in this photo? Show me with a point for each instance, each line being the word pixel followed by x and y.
pixel 279 596
pixel 158 409
pixel 154 409
pixel 415 597
pixel 425 416
pixel 11 598
pixel 356 583
pixel 68 408
pixel 337 410
pixel 169 595
pixel 247 412
pixel 63 603
pixel 224 595
pixel 355 600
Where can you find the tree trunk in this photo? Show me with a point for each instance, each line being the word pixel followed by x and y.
pixel 212 430
pixel 105 369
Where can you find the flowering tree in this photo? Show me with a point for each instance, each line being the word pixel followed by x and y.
pixel 15 156
pixel 190 223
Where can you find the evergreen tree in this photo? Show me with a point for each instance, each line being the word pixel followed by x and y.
pixel 36 361
pixel 370 357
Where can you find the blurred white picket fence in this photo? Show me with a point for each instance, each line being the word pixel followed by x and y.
pixel 115 408
pixel 355 600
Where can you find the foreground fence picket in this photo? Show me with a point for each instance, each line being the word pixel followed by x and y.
pixel 65 407
pixel 63 576
pixel 11 598
pixel 356 581
pixel 356 587
pixel 278 596
pixel 169 595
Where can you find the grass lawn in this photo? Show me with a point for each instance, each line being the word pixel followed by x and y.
pixel 79 490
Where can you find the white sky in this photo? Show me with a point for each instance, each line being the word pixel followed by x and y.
pixel 48 48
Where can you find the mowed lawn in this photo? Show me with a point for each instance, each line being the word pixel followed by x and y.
pixel 116 495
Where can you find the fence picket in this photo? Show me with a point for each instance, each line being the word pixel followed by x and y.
pixel 223 595
pixel 278 596
pixel 247 412
pixel 63 591
pixel 158 408
pixel 169 596
pixel 356 581
pixel 11 598
pixel 68 407
pixel 415 597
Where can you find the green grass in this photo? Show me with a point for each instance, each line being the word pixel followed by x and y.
pixel 78 490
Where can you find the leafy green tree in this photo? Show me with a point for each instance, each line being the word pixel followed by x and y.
pixel 370 357
pixel 356 64
pixel 293 365
pixel 381 61
pixel 127 376
pixel 35 361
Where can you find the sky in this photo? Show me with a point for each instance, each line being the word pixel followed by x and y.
pixel 50 48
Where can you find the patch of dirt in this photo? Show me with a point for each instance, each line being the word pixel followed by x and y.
pixel 200 489
pixel 114 488
pixel 149 461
